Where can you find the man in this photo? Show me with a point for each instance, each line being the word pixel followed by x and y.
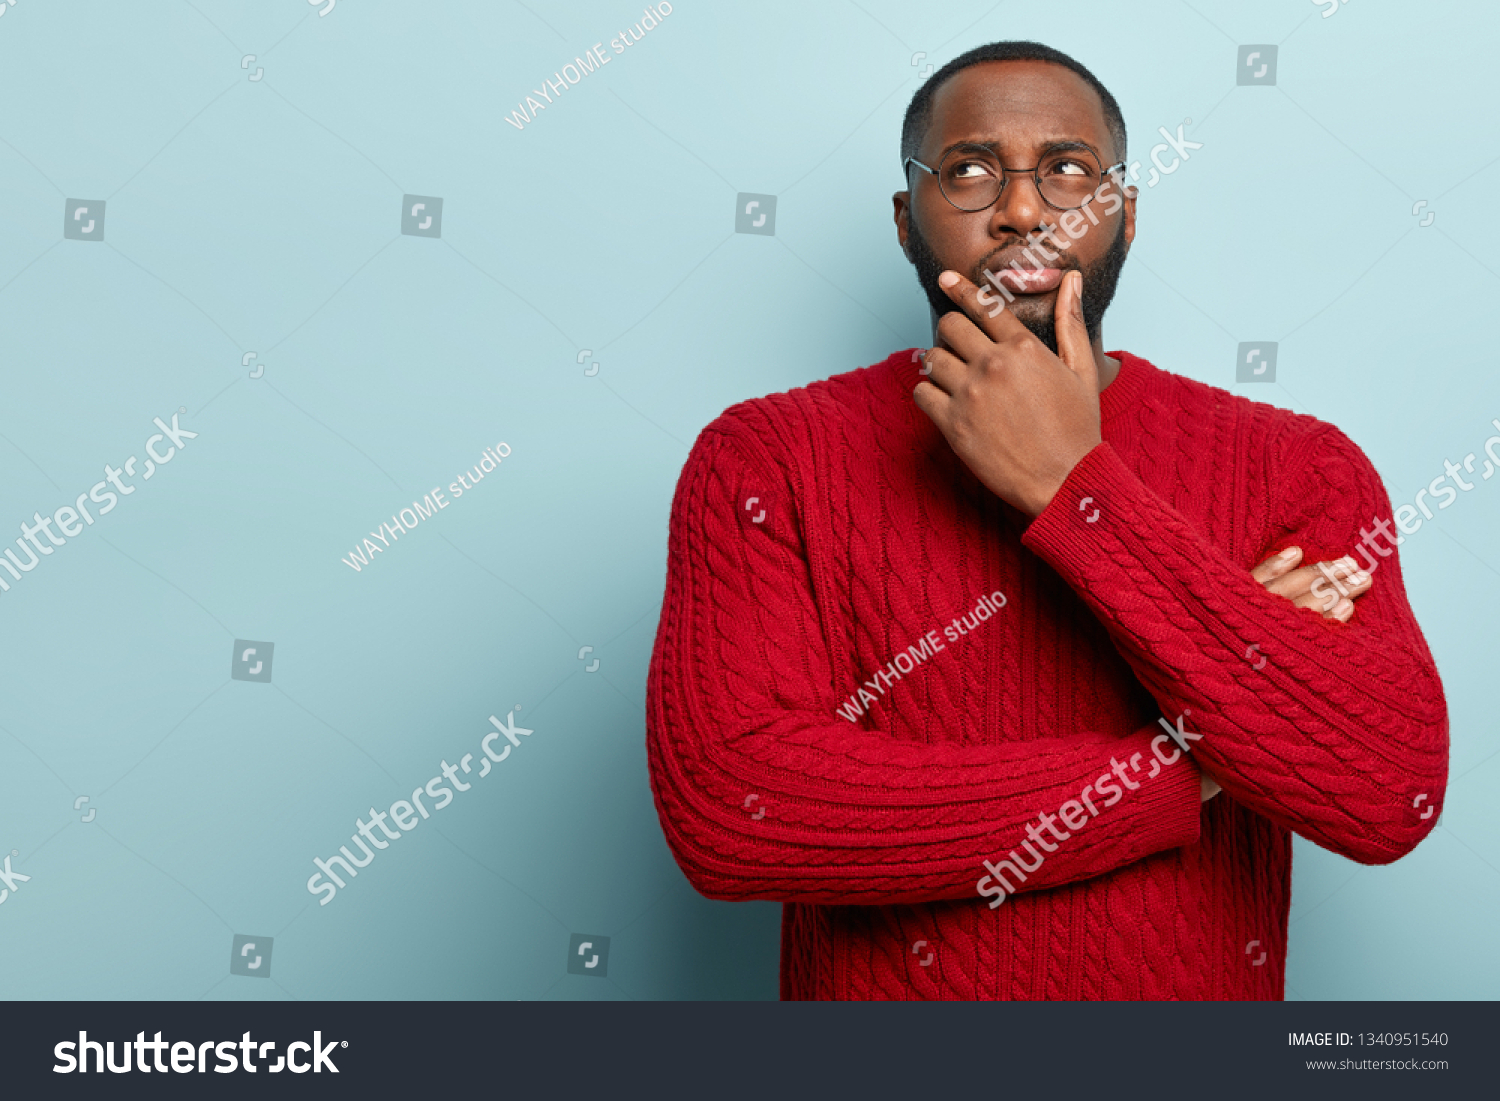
pixel 926 622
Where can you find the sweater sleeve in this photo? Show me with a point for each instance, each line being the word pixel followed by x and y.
pixel 1336 731
pixel 764 792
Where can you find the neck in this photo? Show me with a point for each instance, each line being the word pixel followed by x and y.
pixel 1107 366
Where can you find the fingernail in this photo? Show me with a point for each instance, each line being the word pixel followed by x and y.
pixel 1078 283
pixel 947 279
pixel 1343 609
pixel 1289 553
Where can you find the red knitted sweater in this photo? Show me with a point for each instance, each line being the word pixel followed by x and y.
pixel 819 534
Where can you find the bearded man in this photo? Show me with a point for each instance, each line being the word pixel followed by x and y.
pixel 1089 791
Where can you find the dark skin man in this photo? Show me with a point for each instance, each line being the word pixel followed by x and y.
pixel 1019 414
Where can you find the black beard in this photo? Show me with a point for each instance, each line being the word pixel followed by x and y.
pixel 1099 282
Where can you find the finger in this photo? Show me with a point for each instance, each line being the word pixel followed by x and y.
pixel 1073 345
pixel 990 316
pixel 933 402
pixel 1339 569
pixel 1323 604
pixel 1342 576
pixel 1328 603
pixel 1310 587
pixel 943 369
pixel 1278 565
pixel 958 334
pixel 1358 583
pixel 1321 575
pixel 1294 584
pixel 1322 596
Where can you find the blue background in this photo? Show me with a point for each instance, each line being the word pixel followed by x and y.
pixel 264 215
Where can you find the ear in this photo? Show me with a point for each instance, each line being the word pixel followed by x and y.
pixel 1131 193
pixel 901 201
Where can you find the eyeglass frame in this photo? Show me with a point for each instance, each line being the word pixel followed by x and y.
pixel 1005 174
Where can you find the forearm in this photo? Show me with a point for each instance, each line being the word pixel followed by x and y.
pixel 764 792
pixel 1334 734
pixel 817 814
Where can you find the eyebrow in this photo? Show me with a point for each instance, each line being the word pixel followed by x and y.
pixel 1060 143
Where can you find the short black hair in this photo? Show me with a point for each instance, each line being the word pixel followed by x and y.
pixel 919 111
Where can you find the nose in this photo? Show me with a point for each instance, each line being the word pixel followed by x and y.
pixel 1020 209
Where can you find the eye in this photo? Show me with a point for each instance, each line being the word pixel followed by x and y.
pixel 970 170
pixel 1070 167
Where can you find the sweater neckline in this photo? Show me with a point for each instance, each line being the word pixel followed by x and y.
pixel 1120 395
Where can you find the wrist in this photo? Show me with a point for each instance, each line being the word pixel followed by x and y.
pixel 1043 495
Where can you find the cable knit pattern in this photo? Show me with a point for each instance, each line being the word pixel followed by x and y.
pixel 866 532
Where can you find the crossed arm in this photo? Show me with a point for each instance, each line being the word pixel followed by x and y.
pixel 764 793
pixel 1344 732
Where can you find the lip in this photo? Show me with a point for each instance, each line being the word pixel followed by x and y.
pixel 1025 277
pixel 1030 280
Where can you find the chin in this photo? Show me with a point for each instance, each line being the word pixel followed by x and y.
pixel 1039 307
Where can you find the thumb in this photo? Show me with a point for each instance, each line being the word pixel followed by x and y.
pixel 1073 345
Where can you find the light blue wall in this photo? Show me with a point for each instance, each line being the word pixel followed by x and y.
pixel 263 215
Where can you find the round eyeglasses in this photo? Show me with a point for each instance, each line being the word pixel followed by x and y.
pixel 972 178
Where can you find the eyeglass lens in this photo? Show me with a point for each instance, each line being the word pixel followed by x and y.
pixel 972 179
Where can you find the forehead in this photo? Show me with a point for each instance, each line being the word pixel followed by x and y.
pixel 1021 104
